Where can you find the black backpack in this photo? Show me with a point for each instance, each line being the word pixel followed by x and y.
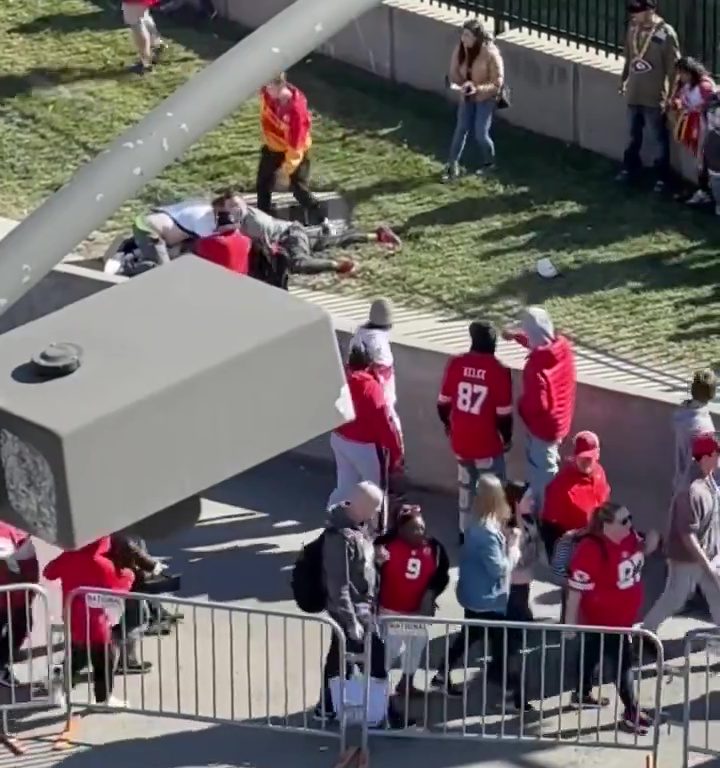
pixel 308 584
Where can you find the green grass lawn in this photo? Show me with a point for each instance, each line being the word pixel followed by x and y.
pixel 640 275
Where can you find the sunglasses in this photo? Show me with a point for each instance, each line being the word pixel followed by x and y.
pixel 625 521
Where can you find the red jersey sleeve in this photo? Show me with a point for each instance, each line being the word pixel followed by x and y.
pixel 502 388
pixel 448 387
pixel 585 566
pixel 387 434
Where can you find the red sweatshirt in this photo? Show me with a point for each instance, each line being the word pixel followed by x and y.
pixel 572 496
pixel 88 567
pixel 286 127
pixel 373 423
pixel 547 402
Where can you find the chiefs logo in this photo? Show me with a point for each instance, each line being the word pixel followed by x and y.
pixel 580 577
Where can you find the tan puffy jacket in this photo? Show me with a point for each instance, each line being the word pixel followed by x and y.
pixel 487 72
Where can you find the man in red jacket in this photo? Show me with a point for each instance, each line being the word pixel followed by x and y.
pixel 145 35
pixel 547 402
pixel 370 446
pixel 577 490
pixel 285 155
pixel 92 616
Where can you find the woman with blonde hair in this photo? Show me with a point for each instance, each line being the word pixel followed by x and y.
pixel 488 555
pixel 477 73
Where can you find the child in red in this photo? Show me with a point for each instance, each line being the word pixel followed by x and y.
pixel 605 590
pixel 90 625
pixel 414 572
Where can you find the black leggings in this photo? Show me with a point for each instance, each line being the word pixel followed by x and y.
pixel 618 659
pixel 18 624
pixel 269 165
pixel 101 659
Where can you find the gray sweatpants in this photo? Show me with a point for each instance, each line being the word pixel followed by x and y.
pixel 682 580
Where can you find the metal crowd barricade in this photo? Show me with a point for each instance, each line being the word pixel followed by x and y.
pixel 218 664
pixel 701 696
pixel 545 664
pixel 28 682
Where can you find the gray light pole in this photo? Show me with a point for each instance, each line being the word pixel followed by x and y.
pixel 99 188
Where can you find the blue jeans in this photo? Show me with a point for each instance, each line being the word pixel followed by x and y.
pixel 543 459
pixel 468 475
pixel 654 117
pixel 474 117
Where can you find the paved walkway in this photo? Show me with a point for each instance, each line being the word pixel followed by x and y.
pixel 240 555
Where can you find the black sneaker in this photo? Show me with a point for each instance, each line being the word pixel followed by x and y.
pixel 328 716
pixel 8 679
pixel 140 69
pixel 396 721
pixel 461 539
pixel 135 667
pixel 588 701
pixel 450 173
pixel 636 721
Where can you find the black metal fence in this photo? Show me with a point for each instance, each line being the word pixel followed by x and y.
pixel 600 24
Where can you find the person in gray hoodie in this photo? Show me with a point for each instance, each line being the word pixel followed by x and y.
pixel 693 418
pixel 350 580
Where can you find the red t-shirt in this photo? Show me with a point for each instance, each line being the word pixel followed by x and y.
pixel 479 389
pixel 608 576
pixel 572 496
pixel 405 576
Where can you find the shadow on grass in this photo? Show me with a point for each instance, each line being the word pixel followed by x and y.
pixel 44 79
pixel 67 23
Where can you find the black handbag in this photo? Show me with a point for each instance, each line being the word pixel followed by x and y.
pixel 503 98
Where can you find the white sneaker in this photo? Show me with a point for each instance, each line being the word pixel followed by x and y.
pixel 699 197
pixel 114 702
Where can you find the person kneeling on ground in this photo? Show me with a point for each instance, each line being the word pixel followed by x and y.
pixel 350 582
pixel 414 572
pixel 605 590
pixel 90 627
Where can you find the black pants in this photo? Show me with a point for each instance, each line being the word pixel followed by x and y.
pixel 299 251
pixel 321 242
pixel 102 660
pixel 618 661
pixel 332 663
pixel 14 628
pixel 519 604
pixel 498 646
pixel 550 533
pixel 269 165
pixel 654 117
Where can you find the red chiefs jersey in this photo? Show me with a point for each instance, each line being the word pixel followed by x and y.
pixel 478 388
pixel 609 577
pixel 406 575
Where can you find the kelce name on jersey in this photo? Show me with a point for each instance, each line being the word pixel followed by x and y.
pixel 474 373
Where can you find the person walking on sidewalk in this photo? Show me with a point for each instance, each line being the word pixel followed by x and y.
pixel 651 54
pixel 547 401
pixel 693 542
pixel 350 581
pixel 146 38
pixel 285 154
pixel 369 447
pixel 475 407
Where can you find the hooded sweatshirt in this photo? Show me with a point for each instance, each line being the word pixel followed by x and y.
pixel 90 567
pixel 572 496
pixel 689 420
pixel 547 402
pixel 348 571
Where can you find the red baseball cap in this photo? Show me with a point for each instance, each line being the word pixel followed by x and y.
pixel 586 444
pixel 705 445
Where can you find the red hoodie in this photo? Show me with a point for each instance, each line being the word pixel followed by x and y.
pixel 373 423
pixel 88 567
pixel 572 496
pixel 286 127
pixel 547 402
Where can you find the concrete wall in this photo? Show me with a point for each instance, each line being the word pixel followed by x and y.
pixel 558 90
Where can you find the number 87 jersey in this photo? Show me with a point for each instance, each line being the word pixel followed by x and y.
pixel 477 387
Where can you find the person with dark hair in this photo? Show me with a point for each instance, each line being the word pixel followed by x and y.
pixel 605 590
pixel 285 155
pixel 369 447
pixel 651 53
pixel 475 408
pixel 687 108
pixel 478 73
pixel 693 541
pixel 524 519
pixel 414 571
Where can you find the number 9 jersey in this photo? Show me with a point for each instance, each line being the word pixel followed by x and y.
pixel 478 389
pixel 608 576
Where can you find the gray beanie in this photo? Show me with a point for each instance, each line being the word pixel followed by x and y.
pixel 538 326
pixel 381 313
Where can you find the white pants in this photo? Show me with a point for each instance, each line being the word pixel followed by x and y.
pixel 410 647
pixel 682 580
pixel 354 462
